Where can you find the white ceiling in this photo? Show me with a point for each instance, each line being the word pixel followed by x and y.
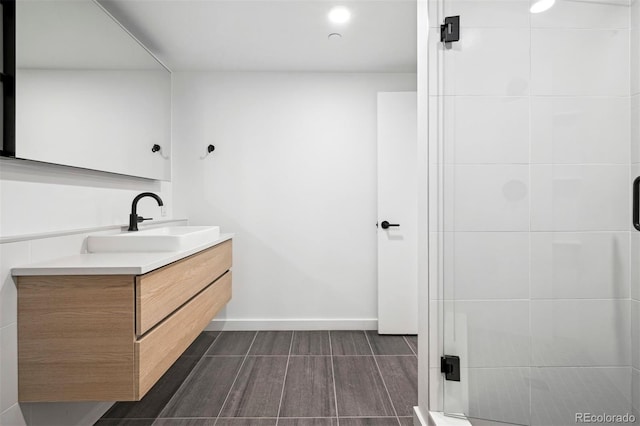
pixel 266 35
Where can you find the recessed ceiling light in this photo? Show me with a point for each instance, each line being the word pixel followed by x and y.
pixel 339 15
pixel 335 36
pixel 541 5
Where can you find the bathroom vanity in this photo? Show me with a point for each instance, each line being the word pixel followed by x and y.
pixel 107 326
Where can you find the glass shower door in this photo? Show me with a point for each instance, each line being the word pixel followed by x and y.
pixel 537 147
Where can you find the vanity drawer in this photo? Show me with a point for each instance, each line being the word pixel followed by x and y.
pixel 161 347
pixel 164 290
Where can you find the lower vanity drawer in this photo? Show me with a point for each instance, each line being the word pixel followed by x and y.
pixel 156 351
pixel 160 292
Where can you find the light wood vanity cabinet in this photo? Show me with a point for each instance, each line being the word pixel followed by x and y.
pixel 111 337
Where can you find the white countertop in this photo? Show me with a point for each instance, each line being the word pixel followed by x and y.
pixel 110 263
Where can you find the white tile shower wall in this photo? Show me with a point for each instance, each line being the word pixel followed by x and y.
pixel 537 126
pixel 478 65
pixel 590 15
pixel 294 175
pixel 580 265
pixel 635 127
pixel 487 129
pixel 486 265
pixel 558 393
pixel 490 13
pixel 483 338
pixel 580 198
pixel 41 198
pixel 568 62
pixel 572 130
pixel 487 197
pixel 635 391
pixel 580 333
pixel 635 337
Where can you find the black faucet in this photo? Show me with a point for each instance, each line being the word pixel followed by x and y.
pixel 134 219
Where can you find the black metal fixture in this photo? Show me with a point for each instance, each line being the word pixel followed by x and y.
pixel 155 147
pixel 386 225
pixel 210 149
pixel 450 30
pixel 636 203
pixel 134 219
pixel 450 366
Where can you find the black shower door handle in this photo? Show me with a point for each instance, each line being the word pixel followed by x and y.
pixel 636 203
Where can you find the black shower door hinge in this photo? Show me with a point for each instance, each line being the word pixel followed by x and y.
pixel 450 30
pixel 450 366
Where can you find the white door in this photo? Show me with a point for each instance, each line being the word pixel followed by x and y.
pixel 397 205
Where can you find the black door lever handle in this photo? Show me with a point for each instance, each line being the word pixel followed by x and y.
pixel 387 225
pixel 636 203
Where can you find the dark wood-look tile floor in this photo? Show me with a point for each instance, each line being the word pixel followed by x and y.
pixel 282 378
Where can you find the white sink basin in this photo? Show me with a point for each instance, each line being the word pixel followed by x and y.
pixel 171 238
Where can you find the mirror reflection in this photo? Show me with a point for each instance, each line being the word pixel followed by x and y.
pixel 88 94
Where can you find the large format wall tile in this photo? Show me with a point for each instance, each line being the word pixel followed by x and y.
pixel 496 394
pixel 635 126
pixel 11 254
pixel 593 265
pixel 584 15
pixel 580 198
pixel 481 129
pixel 635 60
pixel 635 334
pixel 579 62
pixel 577 333
pixel 45 249
pixel 492 62
pixel 8 366
pixel 486 265
pixel 557 394
pixel 490 13
pixel 635 391
pixel 487 198
pixel 580 130
pixel 488 333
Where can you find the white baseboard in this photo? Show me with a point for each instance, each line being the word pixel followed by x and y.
pixel 291 324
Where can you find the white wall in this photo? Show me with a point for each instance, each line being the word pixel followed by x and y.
pixel 294 176
pixel 41 198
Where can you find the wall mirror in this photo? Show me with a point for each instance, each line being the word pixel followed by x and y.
pixel 88 94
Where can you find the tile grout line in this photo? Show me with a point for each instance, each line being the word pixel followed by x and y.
pixel 410 347
pixel 236 378
pixel 333 378
pixel 186 379
pixel 382 378
pixel 284 381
